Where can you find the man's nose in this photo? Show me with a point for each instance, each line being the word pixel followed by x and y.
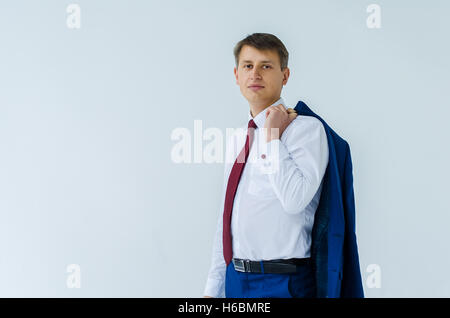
pixel 255 74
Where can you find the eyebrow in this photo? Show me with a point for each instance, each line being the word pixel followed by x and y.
pixel 266 61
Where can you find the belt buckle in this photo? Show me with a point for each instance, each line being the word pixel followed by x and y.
pixel 241 265
pixel 247 265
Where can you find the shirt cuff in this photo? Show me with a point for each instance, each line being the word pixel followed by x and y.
pixel 214 288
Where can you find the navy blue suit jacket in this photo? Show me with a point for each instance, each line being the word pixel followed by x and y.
pixel 334 249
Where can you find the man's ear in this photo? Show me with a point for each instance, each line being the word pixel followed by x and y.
pixel 236 75
pixel 286 73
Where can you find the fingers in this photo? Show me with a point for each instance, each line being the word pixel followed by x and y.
pixel 292 113
pixel 291 110
pixel 283 109
pixel 279 107
pixel 292 116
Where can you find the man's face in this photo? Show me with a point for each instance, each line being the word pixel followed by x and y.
pixel 259 75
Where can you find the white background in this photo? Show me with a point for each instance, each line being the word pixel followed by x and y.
pixel 86 116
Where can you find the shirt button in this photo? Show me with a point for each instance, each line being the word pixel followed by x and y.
pixel 263 156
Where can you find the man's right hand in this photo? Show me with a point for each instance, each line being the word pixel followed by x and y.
pixel 207 297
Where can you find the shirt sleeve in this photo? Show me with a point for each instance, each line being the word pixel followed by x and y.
pixel 215 284
pixel 296 163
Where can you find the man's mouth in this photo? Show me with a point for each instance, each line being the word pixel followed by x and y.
pixel 256 87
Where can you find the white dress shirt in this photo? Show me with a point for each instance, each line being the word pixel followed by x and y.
pixel 277 196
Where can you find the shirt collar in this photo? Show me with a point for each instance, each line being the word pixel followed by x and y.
pixel 260 119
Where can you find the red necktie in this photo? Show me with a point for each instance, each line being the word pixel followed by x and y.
pixel 233 181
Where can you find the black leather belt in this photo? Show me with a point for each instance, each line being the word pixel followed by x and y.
pixel 279 266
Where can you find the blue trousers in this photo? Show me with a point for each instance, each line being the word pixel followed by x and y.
pixel 262 285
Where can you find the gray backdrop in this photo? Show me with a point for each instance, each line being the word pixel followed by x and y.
pixel 86 117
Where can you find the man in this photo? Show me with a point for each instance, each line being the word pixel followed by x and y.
pixel 263 238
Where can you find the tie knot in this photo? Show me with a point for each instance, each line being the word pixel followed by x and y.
pixel 251 124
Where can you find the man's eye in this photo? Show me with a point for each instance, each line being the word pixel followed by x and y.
pixel 249 65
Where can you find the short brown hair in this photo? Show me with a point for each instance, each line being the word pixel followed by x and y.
pixel 263 41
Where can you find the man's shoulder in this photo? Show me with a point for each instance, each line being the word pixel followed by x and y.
pixel 311 120
pixel 303 124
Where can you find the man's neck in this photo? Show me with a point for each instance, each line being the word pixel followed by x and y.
pixel 256 108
